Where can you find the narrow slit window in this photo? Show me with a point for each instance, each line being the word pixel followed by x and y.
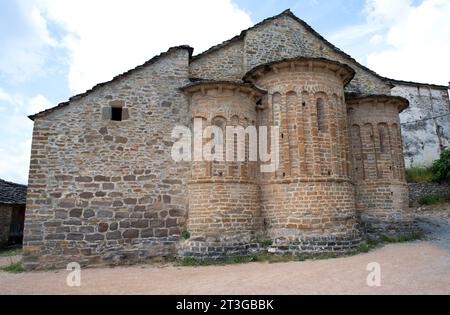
pixel 116 114
pixel 321 115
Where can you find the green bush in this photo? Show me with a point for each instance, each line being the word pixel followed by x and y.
pixel 402 239
pixel 13 268
pixel 185 235
pixel 441 168
pixel 434 200
pixel 363 247
pixel 418 174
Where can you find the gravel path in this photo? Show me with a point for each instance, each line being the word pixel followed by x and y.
pixel 6 261
pixel 413 268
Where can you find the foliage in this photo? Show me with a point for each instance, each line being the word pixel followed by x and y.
pixel 13 268
pixel 402 239
pixel 441 168
pixel 434 199
pixel 419 174
pixel 185 235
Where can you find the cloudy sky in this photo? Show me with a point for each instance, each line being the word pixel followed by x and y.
pixel 52 49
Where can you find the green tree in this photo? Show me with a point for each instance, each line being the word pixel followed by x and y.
pixel 441 168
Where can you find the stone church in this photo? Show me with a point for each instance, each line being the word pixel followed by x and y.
pixel 104 189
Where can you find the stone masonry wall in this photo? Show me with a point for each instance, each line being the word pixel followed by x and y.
pixel 378 165
pixel 223 64
pixel 224 206
pixel 103 191
pixel 283 37
pixel 424 135
pixel 417 191
pixel 308 203
pixel 5 222
pixel 108 192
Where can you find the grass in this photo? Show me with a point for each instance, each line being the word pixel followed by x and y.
pixel 364 247
pixel 434 199
pixel 262 258
pixel 194 262
pixel 11 252
pixel 419 174
pixel 402 239
pixel 13 268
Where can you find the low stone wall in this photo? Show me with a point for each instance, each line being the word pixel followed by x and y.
pixel 419 190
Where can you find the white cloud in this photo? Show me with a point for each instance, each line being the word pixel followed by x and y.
pixel 99 39
pixel 108 37
pixel 402 40
pixel 24 52
pixel 38 104
pixel 15 133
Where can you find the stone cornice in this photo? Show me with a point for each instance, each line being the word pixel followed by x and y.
pixel 401 102
pixel 204 86
pixel 343 71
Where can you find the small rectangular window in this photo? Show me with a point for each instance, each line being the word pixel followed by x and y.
pixel 116 114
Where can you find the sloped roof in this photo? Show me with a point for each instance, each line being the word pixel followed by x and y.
pixel 123 75
pixel 404 103
pixel 289 13
pixel 217 47
pixel 11 193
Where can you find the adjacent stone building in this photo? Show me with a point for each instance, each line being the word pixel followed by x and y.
pixel 12 213
pixel 104 189
pixel 425 124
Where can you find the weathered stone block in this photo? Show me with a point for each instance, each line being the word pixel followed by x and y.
pixel 83 179
pixel 131 234
pixel 103 227
pixel 161 232
pixel 105 214
pixel 87 195
pixel 88 213
pixel 140 224
pixel 116 235
pixel 94 237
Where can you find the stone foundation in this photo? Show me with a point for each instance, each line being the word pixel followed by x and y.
pixel 418 191
pixel 318 245
pixel 211 250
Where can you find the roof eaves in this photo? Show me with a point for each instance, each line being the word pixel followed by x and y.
pixel 123 75
pixel 436 86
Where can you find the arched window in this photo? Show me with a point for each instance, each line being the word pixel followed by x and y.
pixel 356 142
pixel 218 167
pixel 276 109
pixel 384 138
pixel 321 122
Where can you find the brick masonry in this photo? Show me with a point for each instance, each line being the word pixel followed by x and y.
pixel 378 164
pixel 109 192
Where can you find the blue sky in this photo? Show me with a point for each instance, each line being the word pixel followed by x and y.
pixel 53 49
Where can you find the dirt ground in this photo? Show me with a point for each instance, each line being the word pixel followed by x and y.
pixel 411 268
